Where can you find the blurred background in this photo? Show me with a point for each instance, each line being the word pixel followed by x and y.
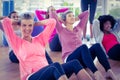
pixel 103 6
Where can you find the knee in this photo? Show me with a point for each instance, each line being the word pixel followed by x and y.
pixel 13 58
pixel 52 69
pixel 56 64
pixel 84 46
pixel 97 45
pixel 77 66
pixel 76 63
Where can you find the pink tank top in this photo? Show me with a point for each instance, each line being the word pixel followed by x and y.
pixel 109 40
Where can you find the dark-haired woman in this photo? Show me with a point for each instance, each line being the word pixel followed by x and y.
pixel 107 33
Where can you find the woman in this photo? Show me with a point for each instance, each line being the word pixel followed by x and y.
pixel 90 5
pixel 40 13
pixel 107 34
pixel 54 43
pixel 36 30
pixel 31 50
pixel 72 47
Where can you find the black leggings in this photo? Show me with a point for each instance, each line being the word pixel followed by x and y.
pixel 55 44
pixel 91 4
pixel 114 52
pixel 72 68
pixel 97 51
pixel 50 72
pixel 55 70
pixel 82 54
pixel 13 57
pixel 68 67
pixel 86 56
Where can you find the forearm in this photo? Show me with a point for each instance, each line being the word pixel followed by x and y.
pixel 83 19
pixel 50 25
pixel 59 27
pixel 40 12
pixel 83 14
pixel 13 39
pixel 62 10
pixel 41 23
pixel 53 14
pixel 39 15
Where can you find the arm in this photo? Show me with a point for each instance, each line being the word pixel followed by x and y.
pixel 117 26
pixel 97 33
pixel 59 27
pixel 41 23
pixel 1 26
pixel 41 11
pixel 116 29
pixel 83 19
pixel 62 10
pixel 39 14
pixel 50 25
pixel 13 39
pixel 96 30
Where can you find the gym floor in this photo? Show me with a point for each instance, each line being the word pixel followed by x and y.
pixel 10 71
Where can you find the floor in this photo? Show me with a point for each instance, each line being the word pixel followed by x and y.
pixel 10 71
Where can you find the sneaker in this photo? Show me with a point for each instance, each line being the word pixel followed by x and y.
pixel 84 41
pixel 98 76
pixel 111 75
pixel 92 41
